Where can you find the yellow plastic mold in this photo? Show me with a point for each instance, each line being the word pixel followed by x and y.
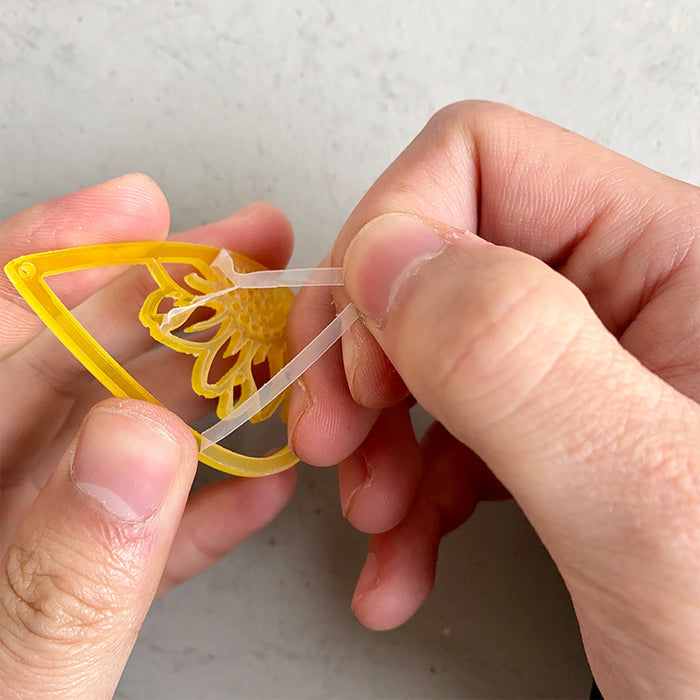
pixel 251 327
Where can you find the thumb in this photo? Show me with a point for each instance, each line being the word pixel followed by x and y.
pixel 509 356
pixel 83 567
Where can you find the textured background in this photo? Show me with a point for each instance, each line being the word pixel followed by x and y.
pixel 304 104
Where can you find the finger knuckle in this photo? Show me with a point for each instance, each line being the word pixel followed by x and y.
pixel 56 598
pixel 471 111
pixel 469 120
pixel 502 347
pixel 669 475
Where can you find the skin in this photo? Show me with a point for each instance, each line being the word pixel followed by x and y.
pixel 557 349
pixel 538 295
pixel 80 567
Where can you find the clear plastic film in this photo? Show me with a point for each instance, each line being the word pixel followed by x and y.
pixel 267 279
pixel 262 279
pixel 293 370
pixel 283 379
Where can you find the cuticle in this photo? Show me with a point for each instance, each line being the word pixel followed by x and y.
pixel 140 417
pixel 367 481
pixel 405 277
pixel 308 404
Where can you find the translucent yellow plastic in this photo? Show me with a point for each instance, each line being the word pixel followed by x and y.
pixel 251 327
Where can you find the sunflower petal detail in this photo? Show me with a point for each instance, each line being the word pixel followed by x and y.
pixel 250 330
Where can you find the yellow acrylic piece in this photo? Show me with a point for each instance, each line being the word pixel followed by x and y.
pixel 251 327
pixel 251 324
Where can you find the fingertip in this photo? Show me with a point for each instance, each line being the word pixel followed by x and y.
pixel 274 216
pixel 381 613
pixel 389 591
pixel 399 571
pixel 342 424
pixel 135 182
pixel 325 424
pixel 378 483
pixel 127 208
pixel 140 196
pixel 259 231
pixel 274 248
pixel 372 379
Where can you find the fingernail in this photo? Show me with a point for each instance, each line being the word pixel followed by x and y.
pixel 298 406
pixel 126 462
pixel 356 476
pixel 368 579
pixel 351 357
pixel 383 256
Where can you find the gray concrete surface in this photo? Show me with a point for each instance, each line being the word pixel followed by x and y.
pixel 304 104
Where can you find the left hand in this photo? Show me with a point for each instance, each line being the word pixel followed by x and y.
pixel 81 566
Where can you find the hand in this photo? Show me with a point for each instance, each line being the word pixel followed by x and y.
pixel 559 349
pixel 94 509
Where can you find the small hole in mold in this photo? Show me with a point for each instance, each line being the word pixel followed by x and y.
pixel 27 270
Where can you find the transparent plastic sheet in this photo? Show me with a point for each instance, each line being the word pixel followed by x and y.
pixel 268 279
pixel 295 368
pixel 283 379
pixel 263 279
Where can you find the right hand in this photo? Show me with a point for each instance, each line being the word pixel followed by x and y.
pixel 559 352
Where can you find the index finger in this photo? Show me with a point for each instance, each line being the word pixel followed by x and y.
pixel 129 208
